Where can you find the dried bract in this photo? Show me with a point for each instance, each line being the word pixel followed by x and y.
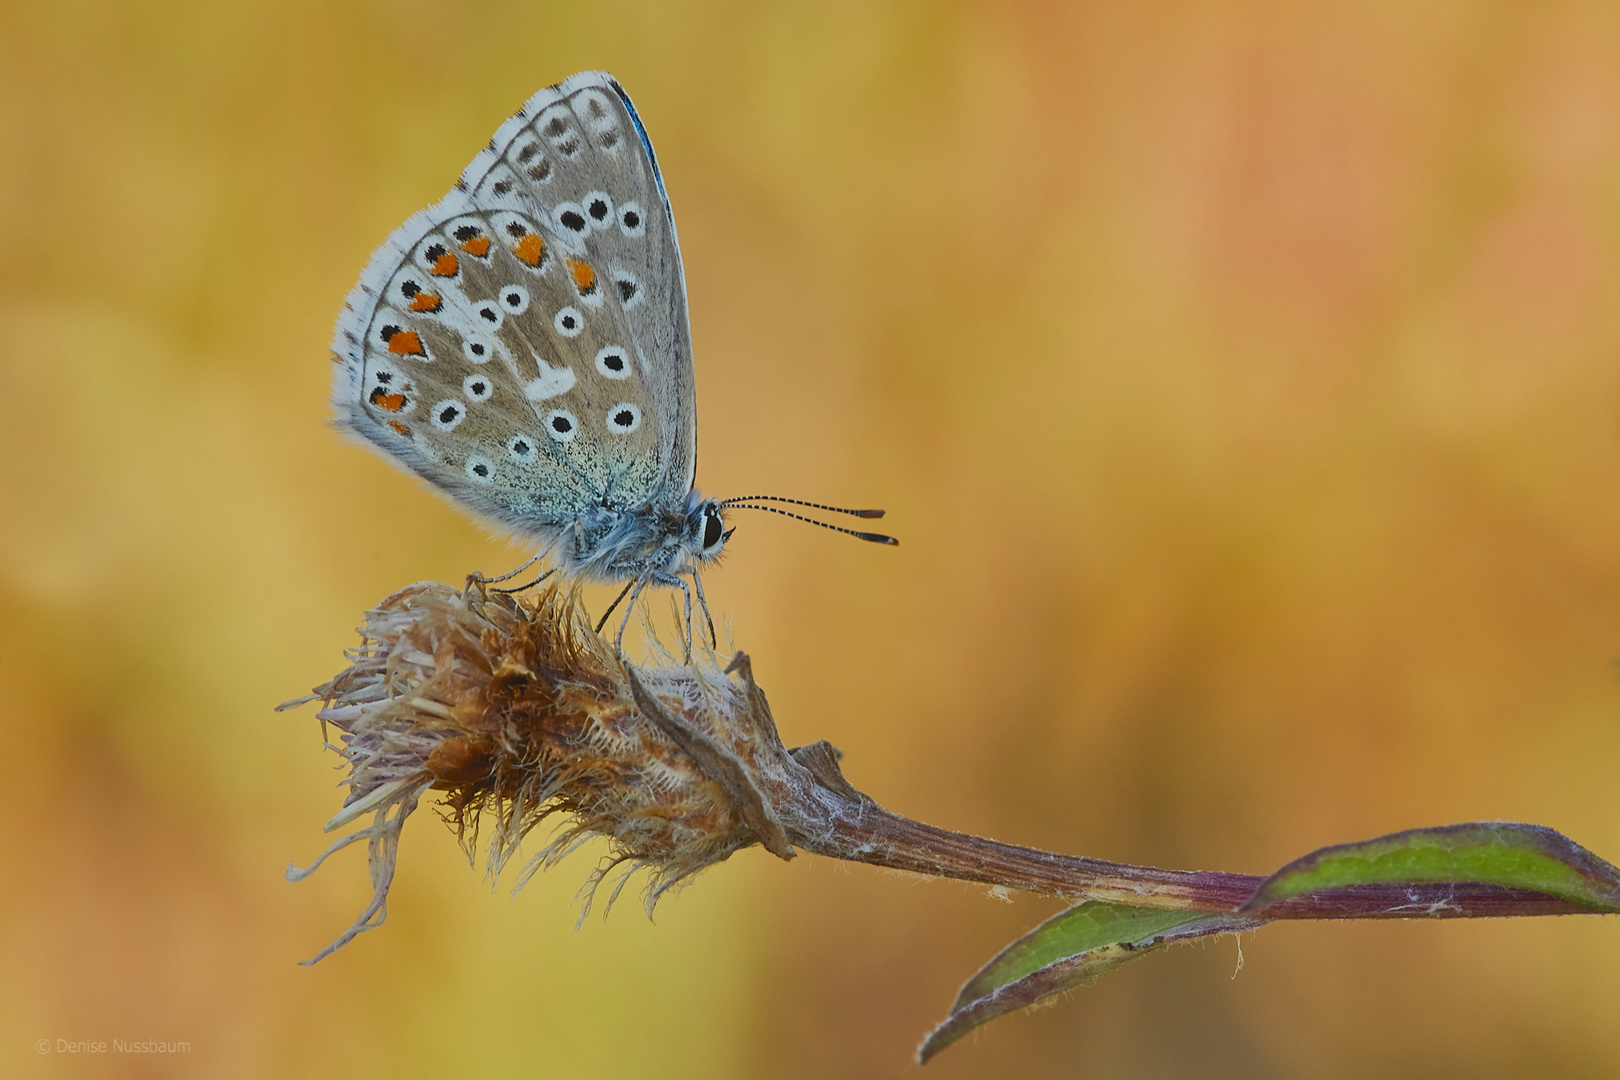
pixel 517 710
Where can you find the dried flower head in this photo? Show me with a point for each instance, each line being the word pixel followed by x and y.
pixel 517 710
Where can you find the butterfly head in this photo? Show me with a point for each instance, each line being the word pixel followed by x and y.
pixel 706 530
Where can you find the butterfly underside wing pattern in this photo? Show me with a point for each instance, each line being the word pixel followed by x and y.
pixel 523 345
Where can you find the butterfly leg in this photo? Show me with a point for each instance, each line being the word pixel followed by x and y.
pixel 697 580
pixel 529 585
pixel 603 620
pixel 476 578
pixel 629 609
pixel 672 581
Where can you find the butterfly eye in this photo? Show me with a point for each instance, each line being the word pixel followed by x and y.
pixel 522 449
pixel 561 425
pixel 478 387
pixel 448 414
pixel 515 298
pixel 480 469
pixel 475 349
pixel 569 322
pixel 623 418
pixel 599 208
pixel 611 362
pixel 714 529
pixel 630 220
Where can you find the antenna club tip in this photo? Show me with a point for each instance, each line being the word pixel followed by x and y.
pixel 867 513
pixel 879 538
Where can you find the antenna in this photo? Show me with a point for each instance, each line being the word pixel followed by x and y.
pixel 800 502
pixel 876 538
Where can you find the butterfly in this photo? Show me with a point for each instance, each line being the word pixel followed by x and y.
pixel 523 345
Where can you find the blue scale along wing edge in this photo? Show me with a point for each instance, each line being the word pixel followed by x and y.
pixel 361 304
pixel 682 451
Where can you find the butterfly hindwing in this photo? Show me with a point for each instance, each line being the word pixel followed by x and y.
pixel 523 344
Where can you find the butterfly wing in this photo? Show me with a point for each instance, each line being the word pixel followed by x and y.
pixel 523 344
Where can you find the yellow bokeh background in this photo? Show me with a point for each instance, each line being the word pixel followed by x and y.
pixel 1240 378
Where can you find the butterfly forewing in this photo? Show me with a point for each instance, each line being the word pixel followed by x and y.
pixel 523 344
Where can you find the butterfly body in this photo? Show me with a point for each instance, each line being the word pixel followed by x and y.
pixel 651 542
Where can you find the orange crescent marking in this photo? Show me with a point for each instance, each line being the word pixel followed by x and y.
pixel 400 428
pixel 391 402
pixel 478 246
pixel 406 343
pixel 584 276
pixel 425 301
pixel 445 265
pixel 531 249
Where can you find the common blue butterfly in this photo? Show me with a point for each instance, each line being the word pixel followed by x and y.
pixel 523 346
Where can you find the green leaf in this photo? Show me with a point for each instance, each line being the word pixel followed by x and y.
pixel 1472 870
pixel 1068 950
pixel 1503 855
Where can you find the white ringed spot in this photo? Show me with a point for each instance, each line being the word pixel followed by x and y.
pixel 631 222
pixel 613 362
pixel 571 219
pixel 598 208
pixel 488 316
pixel 476 349
pixel 514 298
pixel 561 425
pixel 480 470
pixel 478 387
pixel 448 414
pixel 623 418
pixel 522 449
pixel 569 322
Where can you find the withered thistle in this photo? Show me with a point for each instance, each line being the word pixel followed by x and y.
pixel 516 710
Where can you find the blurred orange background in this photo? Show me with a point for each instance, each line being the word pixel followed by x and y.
pixel 1240 379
